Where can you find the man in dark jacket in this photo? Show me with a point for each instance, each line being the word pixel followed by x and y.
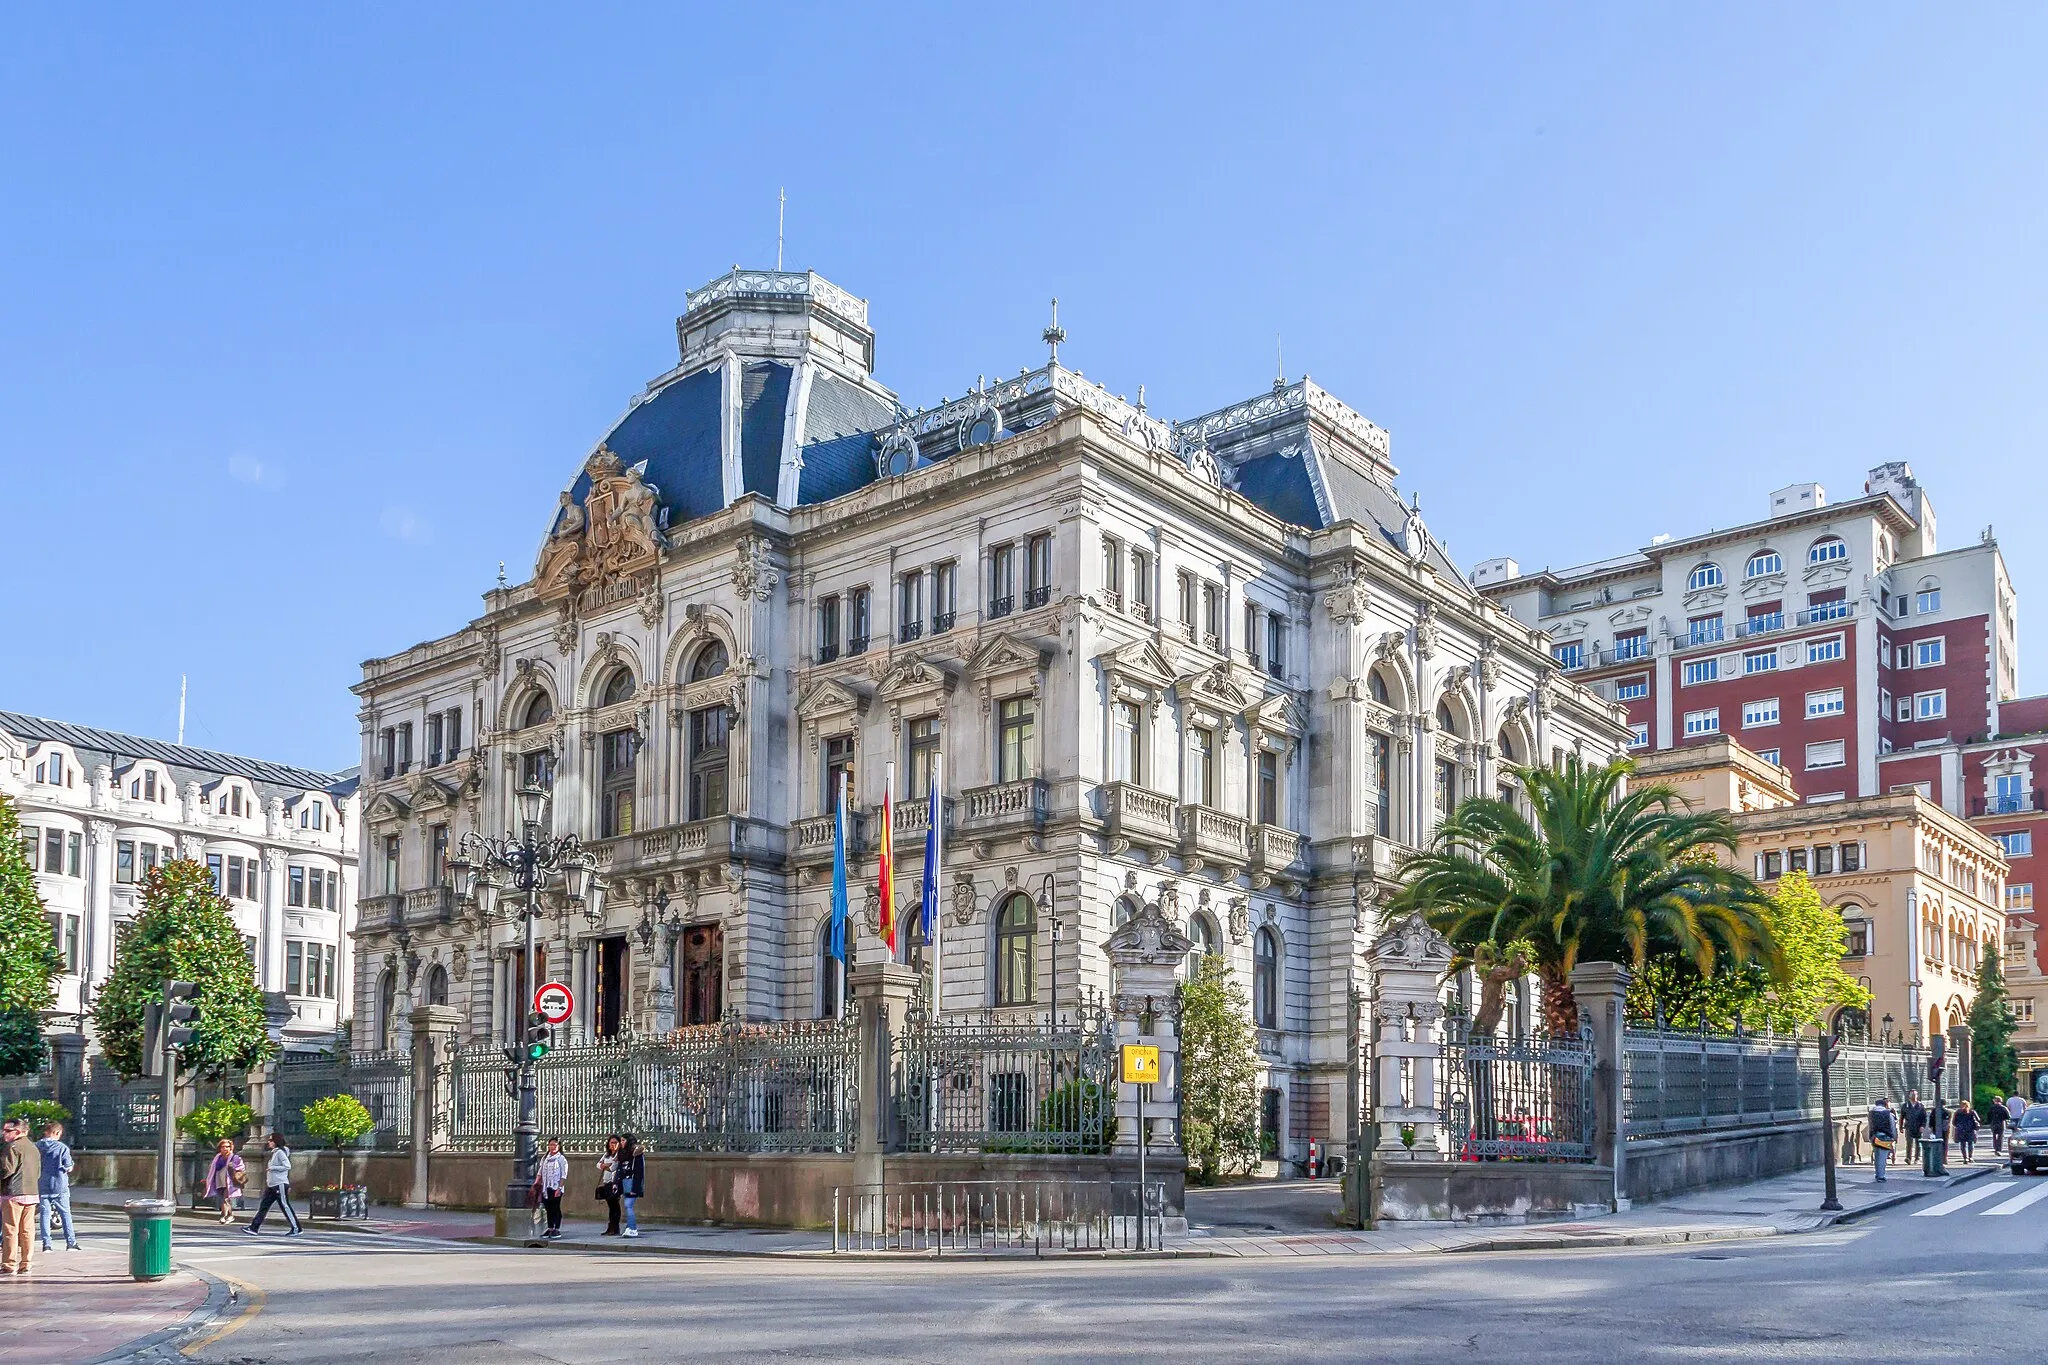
pixel 1884 1132
pixel 1913 1122
pixel 21 1172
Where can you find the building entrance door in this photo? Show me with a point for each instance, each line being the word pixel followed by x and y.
pixel 608 987
pixel 703 992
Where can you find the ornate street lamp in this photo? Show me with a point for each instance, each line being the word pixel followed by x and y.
pixel 526 862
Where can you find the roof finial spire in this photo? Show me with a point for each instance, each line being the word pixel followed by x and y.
pixel 501 573
pixel 1279 364
pixel 781 202
pixel 1141 398
pixel 1052 336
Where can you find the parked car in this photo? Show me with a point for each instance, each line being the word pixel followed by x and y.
pixel 2026 1147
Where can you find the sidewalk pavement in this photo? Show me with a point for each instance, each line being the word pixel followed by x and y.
pixel 81 1305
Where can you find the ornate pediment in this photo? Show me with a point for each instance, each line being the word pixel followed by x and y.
pixel 1213 688
pixel 1411 943
pixel 1278 714
pixel 605 547
pixel 1148 938
pixel 1704 598
pixel 830 698
pixel 1629 616
pixel 1757 589
pixel 913 676
pixel 1140 662
pixel 430 793
pixel 1008 654
pixel 387 808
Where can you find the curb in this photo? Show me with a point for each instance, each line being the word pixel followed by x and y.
pixel 1668 1237
pixel 158 1344
pixel 825 1254
pixel 1892 1201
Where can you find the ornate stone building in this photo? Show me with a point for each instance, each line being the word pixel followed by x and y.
pixel 99 809
pixel 1217 665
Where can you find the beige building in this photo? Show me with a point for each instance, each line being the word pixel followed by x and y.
pixel 1921 889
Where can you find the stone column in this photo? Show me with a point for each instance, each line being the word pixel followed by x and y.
pixel 1600 988
pixel 435 1029
pixel 1408 963
pixel 67 1074
pixel 1144 954
pixel 881 994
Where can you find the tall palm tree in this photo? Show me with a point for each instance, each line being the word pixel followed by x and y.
pixel 1590 873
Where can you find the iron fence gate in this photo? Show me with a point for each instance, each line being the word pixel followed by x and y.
pixel 381 1080
pixel 1522 1099
pixel 998 1084
pixel 114 1113
pixel 1686 1082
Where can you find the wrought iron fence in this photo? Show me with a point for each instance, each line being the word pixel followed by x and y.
pixel 983 1215
pixel 381 1080
pixel 1516 1099
pixel 114 1113
pixel 731 1087
pixel 1006 1085
pixel 1695 1082
pixel 40 1085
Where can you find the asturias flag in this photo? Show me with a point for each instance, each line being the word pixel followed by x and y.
pixel 839 877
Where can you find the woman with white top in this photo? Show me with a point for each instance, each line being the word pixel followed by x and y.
pixel 549 1182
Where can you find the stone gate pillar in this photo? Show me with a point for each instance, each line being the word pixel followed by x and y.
pixel 1145 953
pixel 1600 989
pixel 67 1077
pixel 434 1032
pixel 1408 961
pixel 881 994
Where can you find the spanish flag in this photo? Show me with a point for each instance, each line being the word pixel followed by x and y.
pixel 889 862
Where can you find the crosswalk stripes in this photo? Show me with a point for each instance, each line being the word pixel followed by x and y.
pixel 1985 1191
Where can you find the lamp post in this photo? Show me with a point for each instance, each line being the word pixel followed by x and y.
pixel 525 862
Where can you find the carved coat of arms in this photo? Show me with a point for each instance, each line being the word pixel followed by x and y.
pixel 611 535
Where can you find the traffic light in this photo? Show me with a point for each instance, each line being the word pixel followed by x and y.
pixel 167 1026
pixel 538 1037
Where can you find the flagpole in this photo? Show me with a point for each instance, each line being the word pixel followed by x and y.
pixel 938 908
pixel 888 859
pixel 844 945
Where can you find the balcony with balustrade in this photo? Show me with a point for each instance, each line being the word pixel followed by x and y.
pixel 1004 808
pixel 1140 816
pixel 693 845
pixel 913 816
pixel 1278 854
pixel 1213 838
pixel 811 839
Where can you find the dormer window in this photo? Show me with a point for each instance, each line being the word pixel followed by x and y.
pixel 1703 576
pixel 1763 563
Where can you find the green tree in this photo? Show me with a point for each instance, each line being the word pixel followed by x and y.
pixel 1219 1073
pixel 217 1119
pixel 1994 1064
pixel 1591 874
pixel 184 933
pixel 38 1114
pixel 1808 987
pixel 29 960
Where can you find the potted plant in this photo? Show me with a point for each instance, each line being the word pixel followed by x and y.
pixel 340 1120
pixel 207 1124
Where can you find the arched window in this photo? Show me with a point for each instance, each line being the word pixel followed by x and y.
pixel 387 1006
pixel 1827 549
pixel 711 661
pixel 1445 719
pixel 1202 933
pixel 1703 576
pixel 437 985
pixel 539 711
pixel 617 688
pixel 1016 932
pixel 1506 745
pixel 1764 562
pixel 1266 979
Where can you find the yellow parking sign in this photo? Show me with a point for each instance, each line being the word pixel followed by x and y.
pixel 1140 1064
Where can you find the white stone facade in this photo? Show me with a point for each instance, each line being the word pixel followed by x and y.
pixel 1152 683
pixel 103 808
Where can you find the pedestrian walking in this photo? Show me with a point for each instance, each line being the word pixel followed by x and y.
pixel 632 1179
pixel 1964 1126
pixel 225 1178
pixel 1995 1116
pixel 549 1182
pixel 1913 1122
pixel 54 1189
pixel 277 1189
pixel 2016 1108
pixel 1884 1134
pixel 608 1182
pixel 21 1175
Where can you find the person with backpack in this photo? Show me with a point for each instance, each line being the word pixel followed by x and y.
pixel 1884 1135
pixel 632 1180
pixel 277 1189
pixel 1964 1126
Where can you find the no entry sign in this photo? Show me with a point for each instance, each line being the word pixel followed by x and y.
pixel 553 1002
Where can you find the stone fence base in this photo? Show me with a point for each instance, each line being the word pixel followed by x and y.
pixel 1661 1167
pixel 1489 1191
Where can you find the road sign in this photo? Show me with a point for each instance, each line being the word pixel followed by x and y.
pixel 1140 1064
pixel 553 1002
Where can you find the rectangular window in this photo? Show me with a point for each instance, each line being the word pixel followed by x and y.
pixel 1639 735
pixel 858 621
pixel 1038 570
pixel 1795 860
pixel 151 856
pixel 710 761
pixel 1930 601
pixel 1269 787
pixel 838 762
pixel 149 785
pixel 1113 571
pixel 405 747
pixel 74 854
pixel 1823 859
pixel 1930 705
pixel 910 605
pixel 1768 755
pixel 2019 896
pixel 124 862
pixel 1212 616
pixel 1013 753
pixel 828 629
pixel 1755 713
pixel 1859 938
pixel 217 870
pixel 1703 722
pixel 1572 654
pixel 537 769
pixel 234 878
pixel 617 754
pixel 327 970
pixel 1827 753
pixel 1276 645
pixel 1632 689
pixel 1202 767
pixel 1141 584
pixel 1383 785
pixel 945 603
pixel 1446 786
pixel 322 890
pixel 1002 580
pixel 438 854
pixel 1905 708
pixel 295 886
pixel 1631 644
pixel 1824 651
pixel 1126 744
pixel 1827 702
pixel 1929 653
pixel 294 967
pixel 1760 661
pixel 1186 582
pixel 1702 630
pixel 433 745
pixel 2019 844
pixel 1884 703
pixel 391 850
pixel 1773 865
pixel 1851 857
pixel 53 851
pixel 1252 634
pixel 923 752
pixel 453 733
pixel 1701 671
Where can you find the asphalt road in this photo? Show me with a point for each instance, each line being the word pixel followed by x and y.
pixel 1931 1279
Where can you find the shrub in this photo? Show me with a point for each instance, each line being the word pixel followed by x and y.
pixel 337 1119
pixel 217 1119
pixel 38 1114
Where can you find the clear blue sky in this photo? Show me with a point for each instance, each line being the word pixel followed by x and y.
pixel 304 320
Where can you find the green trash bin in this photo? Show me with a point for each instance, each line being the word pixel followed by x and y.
pixel 149 1237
